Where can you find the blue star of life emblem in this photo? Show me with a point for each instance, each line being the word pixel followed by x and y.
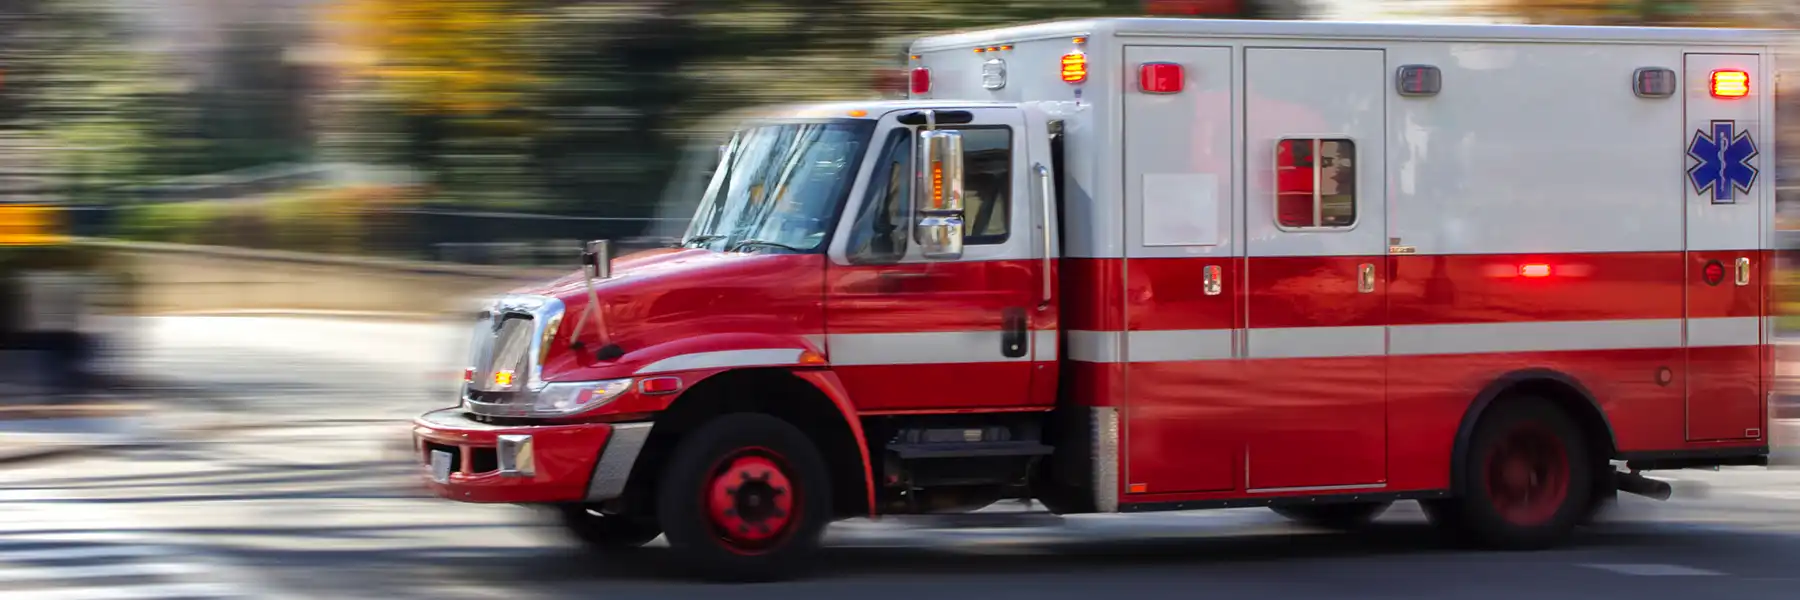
pixel 1725 166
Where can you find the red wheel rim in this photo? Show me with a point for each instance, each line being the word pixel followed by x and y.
pixel 751 501
pixel 1527 475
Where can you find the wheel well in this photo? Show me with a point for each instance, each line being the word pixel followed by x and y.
pixel 1559 389
pixel 773 392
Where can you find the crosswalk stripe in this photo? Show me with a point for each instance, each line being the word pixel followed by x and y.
pixel 8 555
pixel 152 569
pixel 137 592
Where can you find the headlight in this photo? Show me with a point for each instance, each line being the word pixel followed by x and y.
pixel 566 399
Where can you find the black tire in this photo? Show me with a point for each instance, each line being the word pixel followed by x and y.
pixel 691 484
pixel 1343 516
pixel 1539 501
pixel 606 534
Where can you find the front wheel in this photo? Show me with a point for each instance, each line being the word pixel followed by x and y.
pixel 1347 515
pixel 1529 478
pixel 745 497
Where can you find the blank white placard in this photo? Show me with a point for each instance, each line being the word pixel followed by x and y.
pixel 1181 209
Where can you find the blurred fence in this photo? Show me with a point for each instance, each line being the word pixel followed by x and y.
pixel 458 236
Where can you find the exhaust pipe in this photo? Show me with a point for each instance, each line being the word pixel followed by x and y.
pixel 1643 486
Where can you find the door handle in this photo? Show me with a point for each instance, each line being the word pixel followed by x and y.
pixel 1743 270
pixel 1210 282
pixel 1012 339
pixel 1365 280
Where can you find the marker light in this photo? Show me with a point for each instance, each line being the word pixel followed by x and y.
pixel 660 385
pixel 921 80
pixel 469 375
pixel 1730 83
pixel 1074 67
pixel 1534 270
pixel 1160 78
pixel 503 378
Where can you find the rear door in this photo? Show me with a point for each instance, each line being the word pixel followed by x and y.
pixel 1315 343
pixel 1728 184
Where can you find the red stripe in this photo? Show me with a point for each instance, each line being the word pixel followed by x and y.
pixel 1322 291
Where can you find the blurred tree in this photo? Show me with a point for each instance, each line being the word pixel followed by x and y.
pixel 587 105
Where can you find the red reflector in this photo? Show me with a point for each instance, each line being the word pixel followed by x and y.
pixel 660 385
pixel 469 375
pixel 1713 273
pixel 1730 83
pixel 1534 270
pixel 1160 78
pixel 921 80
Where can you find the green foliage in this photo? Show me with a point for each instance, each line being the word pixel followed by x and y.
pixel 586 106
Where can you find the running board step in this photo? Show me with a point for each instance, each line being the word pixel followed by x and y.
pixel 968 449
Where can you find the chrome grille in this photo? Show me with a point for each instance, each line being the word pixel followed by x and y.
pixel 506 344
pixel 504 362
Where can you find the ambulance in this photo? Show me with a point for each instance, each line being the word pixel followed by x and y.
pixel 1131 265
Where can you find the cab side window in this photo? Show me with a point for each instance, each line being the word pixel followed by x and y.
pixel 882 224
pixel 987 185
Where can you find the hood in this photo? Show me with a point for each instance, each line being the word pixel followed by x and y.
pixel 664 299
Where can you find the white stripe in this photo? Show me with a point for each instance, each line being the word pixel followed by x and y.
pixel 924 348
pixel 1179 345
pixel 1725 331
pixel 1483 338
pixel 1044 345
pixel 724 359
pixel 1096 346
pixel 954 347
pixel 1315 342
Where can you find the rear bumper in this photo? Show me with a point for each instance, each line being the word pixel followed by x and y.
pixel 527 464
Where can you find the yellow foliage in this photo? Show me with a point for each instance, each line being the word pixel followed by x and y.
pixel 444 56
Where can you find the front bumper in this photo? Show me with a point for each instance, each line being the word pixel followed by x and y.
pixel 477 462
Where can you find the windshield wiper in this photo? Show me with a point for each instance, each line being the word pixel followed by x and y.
pixel 699 239
pixel 747 243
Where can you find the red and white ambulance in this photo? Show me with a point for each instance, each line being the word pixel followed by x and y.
pixel 1155 264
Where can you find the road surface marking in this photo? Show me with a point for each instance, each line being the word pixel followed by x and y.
pixel 1654 570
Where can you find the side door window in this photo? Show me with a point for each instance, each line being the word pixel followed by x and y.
pixel 882 225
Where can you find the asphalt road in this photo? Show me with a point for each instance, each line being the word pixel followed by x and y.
pixel 307 493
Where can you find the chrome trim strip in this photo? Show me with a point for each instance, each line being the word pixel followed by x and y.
pixel 515 455
pixel 617 460
pixel 1319 488
pixel 1105 439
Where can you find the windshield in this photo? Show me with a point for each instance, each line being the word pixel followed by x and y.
pixel 778 187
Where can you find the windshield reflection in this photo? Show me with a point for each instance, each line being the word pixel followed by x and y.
pixel 778 187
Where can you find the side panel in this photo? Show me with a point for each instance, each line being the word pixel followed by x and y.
pixel 1724 198
pixel 1316 307
pixel 1183 428
pixel 1532 204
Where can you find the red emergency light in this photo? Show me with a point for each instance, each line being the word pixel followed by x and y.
pixel 921 80
pixel 1160 78
pixel 1730 83
pixel 1534 270
pixel 656 386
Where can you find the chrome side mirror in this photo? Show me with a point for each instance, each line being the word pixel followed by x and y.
pixel 940 190
pixel 597 258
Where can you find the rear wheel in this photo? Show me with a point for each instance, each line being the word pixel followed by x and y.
pixel 1528 478
pixel 745 497
pixel 1347 515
